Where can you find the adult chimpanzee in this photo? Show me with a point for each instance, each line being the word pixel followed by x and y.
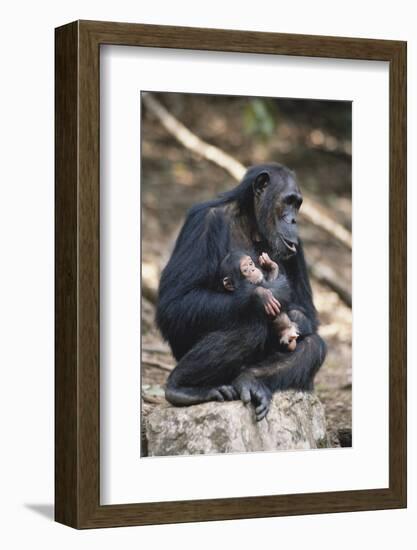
pixel 223 342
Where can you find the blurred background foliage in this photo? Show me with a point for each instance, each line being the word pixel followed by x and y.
pixel 260 118
pixel 313 138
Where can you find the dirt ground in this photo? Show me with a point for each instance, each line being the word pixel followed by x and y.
pixel 173 179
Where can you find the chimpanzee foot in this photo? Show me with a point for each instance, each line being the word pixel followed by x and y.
pixel 289 337
pixel 229 393
pixel 214 395
pixel 193 396
pixel 223 393
pixel 251 389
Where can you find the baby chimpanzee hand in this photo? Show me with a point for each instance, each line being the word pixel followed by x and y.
pixel 271 304
pixel 266 262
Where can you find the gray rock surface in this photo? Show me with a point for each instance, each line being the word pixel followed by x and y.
pixel 296 420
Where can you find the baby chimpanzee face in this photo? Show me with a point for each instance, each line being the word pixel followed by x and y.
pixel 249 270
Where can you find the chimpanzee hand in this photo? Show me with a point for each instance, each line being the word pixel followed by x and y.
pixel 271 304
pixel 266 262
pixel 251 389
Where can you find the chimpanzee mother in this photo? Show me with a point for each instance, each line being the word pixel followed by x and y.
pixel 223 341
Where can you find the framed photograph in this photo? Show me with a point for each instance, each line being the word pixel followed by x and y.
pixel 230 274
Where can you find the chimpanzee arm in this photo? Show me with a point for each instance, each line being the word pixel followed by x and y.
pixel 191 315
pixel 189 304
pixel 280 289
pixel 296 313
pixel 211 307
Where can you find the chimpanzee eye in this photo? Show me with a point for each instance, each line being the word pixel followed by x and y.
pixel 293 199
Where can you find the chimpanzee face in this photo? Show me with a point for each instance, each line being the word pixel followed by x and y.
pixel 249 270
pixel 277 199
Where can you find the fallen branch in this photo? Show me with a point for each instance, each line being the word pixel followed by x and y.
pixel 325 275
pixel 149 291
pixel 148 312
pixel 318 217
pixel 155 363
pixel 191 141
pixel 155 349
pixel 310 211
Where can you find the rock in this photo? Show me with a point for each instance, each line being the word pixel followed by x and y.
pixel 295 420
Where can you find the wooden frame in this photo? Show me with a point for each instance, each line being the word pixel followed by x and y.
pixel 77 406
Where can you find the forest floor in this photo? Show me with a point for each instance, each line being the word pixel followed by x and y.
pixel 173 179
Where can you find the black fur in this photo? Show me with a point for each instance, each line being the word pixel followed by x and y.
pixel 223 340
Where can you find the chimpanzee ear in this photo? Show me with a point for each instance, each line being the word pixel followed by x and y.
pixel 228 284
pixel 261 181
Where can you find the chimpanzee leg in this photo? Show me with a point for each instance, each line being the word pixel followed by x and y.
pixel 206 372
pixel 296 369
pixel 281 371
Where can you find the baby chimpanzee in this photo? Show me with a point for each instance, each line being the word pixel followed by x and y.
pixel 238 268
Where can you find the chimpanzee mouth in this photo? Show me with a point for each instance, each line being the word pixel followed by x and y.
pixel 291 246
